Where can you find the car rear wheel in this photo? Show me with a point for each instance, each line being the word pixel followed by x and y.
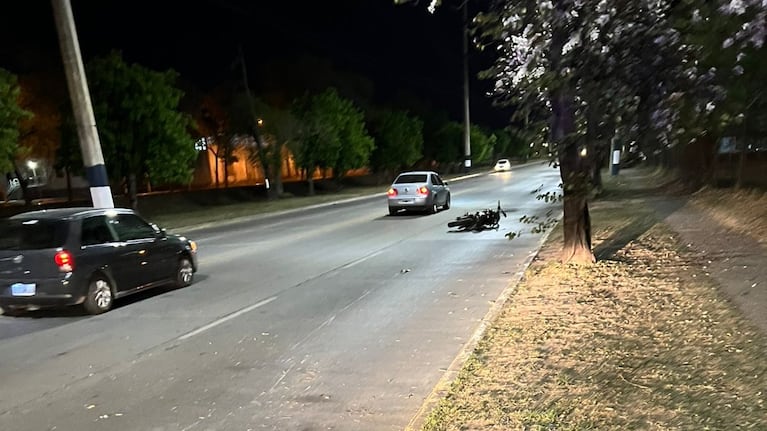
pixel 11 311
pixel 100 296
pixel 184 273
pixel 433 209
pixel 447 203
pixel 392 211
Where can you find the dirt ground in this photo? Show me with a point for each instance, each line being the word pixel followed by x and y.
pixel 665 332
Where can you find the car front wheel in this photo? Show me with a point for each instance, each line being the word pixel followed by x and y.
pixel 184 273
pixel 100 296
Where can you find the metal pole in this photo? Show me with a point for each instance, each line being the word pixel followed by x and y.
pixel 95 171
pixel 466 122
pixel 615 156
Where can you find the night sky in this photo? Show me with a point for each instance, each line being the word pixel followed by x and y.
pixel 392 50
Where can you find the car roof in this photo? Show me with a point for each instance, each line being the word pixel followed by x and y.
pixel 418 173
pixel 68 213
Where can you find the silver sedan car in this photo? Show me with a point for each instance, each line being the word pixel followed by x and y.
pixel 418 190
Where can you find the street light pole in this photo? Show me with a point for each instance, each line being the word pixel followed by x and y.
pixel 466 122
pixel 93 159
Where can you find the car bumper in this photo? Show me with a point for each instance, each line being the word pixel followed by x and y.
pixel 48 293
pixel 413 203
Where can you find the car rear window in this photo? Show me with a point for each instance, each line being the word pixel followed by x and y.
pixel 31 234
pixel 410 178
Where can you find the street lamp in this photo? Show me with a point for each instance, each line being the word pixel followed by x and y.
pixel 31 164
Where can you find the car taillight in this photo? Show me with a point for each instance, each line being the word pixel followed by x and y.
pixel 423 190
pixel 64 260
pixel 391 192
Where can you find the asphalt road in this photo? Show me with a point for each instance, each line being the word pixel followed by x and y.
pixel 337 318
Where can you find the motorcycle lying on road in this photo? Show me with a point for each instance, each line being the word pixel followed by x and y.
pixel 479 221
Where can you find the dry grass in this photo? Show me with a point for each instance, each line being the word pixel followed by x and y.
pixel 641 340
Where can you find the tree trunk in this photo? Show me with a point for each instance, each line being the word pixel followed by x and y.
pixel 310 183
pixel 226 170
pixel 741 165
pixel 215 167
pixel 576 220
pixel 68 174
pixel 132 191
pixel 279 188
pixel 572 168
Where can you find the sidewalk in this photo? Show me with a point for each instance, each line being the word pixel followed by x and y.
pixel 738 262
pixel 734 258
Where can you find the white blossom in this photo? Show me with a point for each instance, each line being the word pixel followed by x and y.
pixel 736 7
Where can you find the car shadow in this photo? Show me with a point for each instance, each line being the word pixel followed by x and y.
pixel 402 216
pixel 76 311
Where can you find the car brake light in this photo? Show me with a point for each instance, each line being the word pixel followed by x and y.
pixel 64 260
pixel 391 192
pixel 423 190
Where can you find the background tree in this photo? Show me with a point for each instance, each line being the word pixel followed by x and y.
pixel 399 142
pixel 482 145
pixel 143 134
pixel 277 130
pixel 356 144
pixel 11 114
pixel 42 94
pixel 445 145
pixel 68 157
pixel 728 95
pixel 329 125
pixel 212 124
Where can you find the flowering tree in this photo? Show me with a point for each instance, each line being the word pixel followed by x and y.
pixel 647 69
pixel 595 67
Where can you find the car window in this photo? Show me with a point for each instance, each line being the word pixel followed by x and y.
pixel 130 227
pixel 32 234
pixel 410 178
pixel 95 231
pixel 435 179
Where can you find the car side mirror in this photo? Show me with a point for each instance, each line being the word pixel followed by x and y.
pixel 444 182
pixel 159 233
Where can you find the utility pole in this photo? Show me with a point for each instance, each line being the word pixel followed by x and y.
pixel 466 122
pixel 93 159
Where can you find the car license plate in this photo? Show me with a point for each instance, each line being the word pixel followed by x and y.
pixel 23 289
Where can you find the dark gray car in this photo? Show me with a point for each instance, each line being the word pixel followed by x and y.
pixel 87 256
pixel 418 190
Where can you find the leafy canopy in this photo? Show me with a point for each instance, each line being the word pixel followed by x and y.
pixel 141 128
pixel 331 134
pixel 10 116
pixel 399 141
